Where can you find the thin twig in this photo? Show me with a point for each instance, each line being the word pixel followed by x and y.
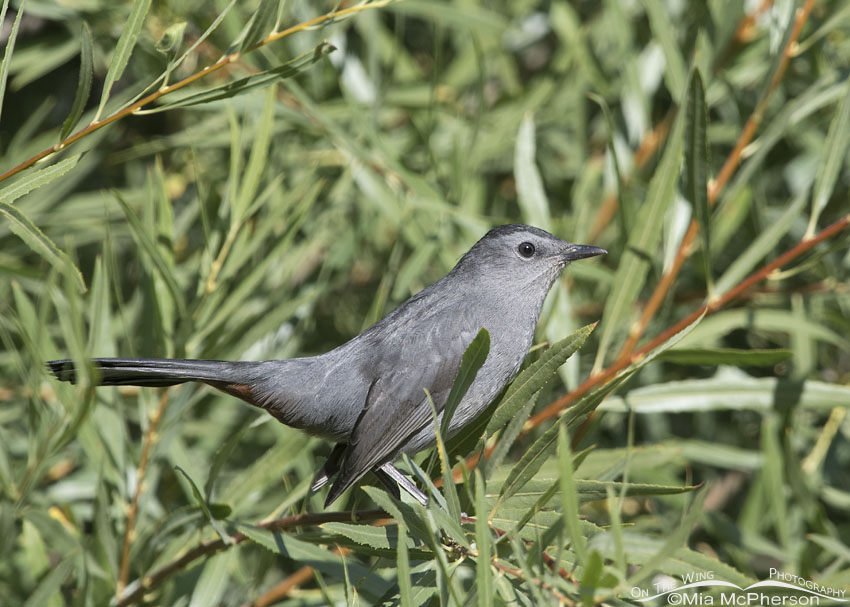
pixel 161 92
pixel 129 528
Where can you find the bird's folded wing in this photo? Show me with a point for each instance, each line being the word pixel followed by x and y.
pixel 397 405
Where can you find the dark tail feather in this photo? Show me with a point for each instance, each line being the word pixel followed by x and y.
pixel 149 371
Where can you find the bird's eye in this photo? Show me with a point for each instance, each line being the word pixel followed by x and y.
pixel 526 249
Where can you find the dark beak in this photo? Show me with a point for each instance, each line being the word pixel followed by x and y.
pixel 582 251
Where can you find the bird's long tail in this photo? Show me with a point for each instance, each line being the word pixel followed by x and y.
pixel 150 371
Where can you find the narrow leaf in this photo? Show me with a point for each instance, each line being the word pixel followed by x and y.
pixel 542 448
pixel 50 585
pixel 381 538
pixel 261 24
pixel 405 585
pixel 738 392
pixel 83 83
pixel 403 513
pixel 244 85
pixel 759 248
pixel 530 192
pixel 483 543
pixel 675 71
pixel 698 164
pixel 626 206
pixel 676 540
pixel 535 376
pixel 123 50
pixel 169 44
pixel 250 181
pixel 834 151
pixel 27 231
pixel 725 356
pixel 35 179
pixel 219 529
pixel 301 552
pixel 145 241
pixel 212 584
pixel 473 359
pixel 452 500
pixel 569 498
pixel 10 48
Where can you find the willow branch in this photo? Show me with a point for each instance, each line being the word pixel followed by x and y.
pixel 165 90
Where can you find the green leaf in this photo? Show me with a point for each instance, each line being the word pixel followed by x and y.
pixel 626 207
pixel 203 37
pixel 383 538
pixel 761 320
pixel 52 582
pixel 537 492
pixel 834 152
pixel 542 448
pixel 123 50
pixel 675 540
pixel 773 477
pixel 483 544
pixel 732 391
pixel 260 25
pixel 641 248
pixel 697 165
pixel 546 495
pixel 473 359
pixel 144 240
pixel 172 39
pixel 530 192
pixel 760 247
pixel 641 548
pixel 219 529
pixel 405 585
pixel 403 513
pixel 83 83
pixel 569 498
pixel 725 356
pixel 256 165
pixel 535 376
pixel 675 72
pixel 35 239
pixel 304 553
pixel 10 47
pixel 508 436
pixel 169 44
pixel 451 496
pixel 212 583
pixel 244 85
pixel 831 544
pixel 32 180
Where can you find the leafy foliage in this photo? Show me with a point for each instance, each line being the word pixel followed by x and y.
pixel 251 180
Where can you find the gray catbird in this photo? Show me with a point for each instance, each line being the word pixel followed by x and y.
pixel 368 394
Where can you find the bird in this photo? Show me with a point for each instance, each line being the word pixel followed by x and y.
pixel 370 394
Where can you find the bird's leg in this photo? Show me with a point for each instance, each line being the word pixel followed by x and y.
pixel 390 472
pixel 388 483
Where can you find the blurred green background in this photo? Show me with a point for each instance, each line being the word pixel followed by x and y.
pixel 282 218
